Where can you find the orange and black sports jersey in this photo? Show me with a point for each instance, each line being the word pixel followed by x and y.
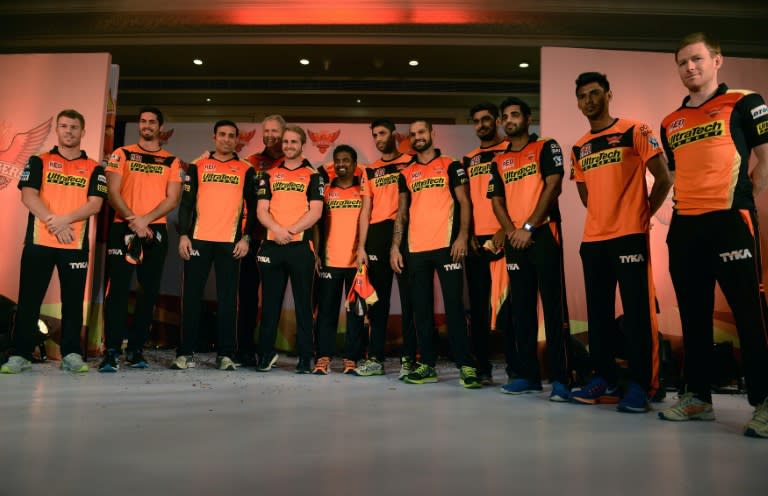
pixel 433 211
pixel 379 182
pixel 64 185
pixel 611 163
pixel 328 173
pixel 289 192
pixel 518 176
pixel 478 164
pixel 212 199
pixel 708 147
pixel 145 177
pixel 339 224
pixel 261 163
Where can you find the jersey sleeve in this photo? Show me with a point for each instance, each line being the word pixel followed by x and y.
pixel 667 149
pixel 365 187
pixel 754 118
pixel 188 202
pixel 495 184
pixel 457 175
pixel 551 159
pixel 577 174
pixel 97 186
pixel 116 162
pixel 402 185
pixel 177 172
pixel 32 175
pixel 316 188
pixel 645 143
pixel 263 187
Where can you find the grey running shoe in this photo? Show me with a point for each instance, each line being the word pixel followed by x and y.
pixel 15 365
pixel 183 362
pixel 74 363
pixel 225 363
pixel 369 367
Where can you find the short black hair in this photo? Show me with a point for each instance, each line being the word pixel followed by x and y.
pixel 592 77
pixel 345 148
pixel 384 123
pixel 491 108
pixel 513 100
pixel 152 110
pixel 427 122
pixel 225 122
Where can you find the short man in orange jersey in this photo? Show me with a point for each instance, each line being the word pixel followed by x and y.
pixel 144 185
pixel 478 163
pixel 336 239
pixel 713 235
pixel 290 202
pixel 211 232
pixel 248 290
pixel 62 189
pixel 524 188
pixel 434 203
pixel 609 165
pixel 377 219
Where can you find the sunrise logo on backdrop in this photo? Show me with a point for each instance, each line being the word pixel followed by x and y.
pixel 15 152
pixel 323 139
pixel 243 139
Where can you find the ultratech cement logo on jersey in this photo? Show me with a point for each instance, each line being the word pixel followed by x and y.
pixel 762 128
pixel 607 157
pixel 430 182
pixel 289 186
pixel 211 177
pixel 522 172
pixel 385 180
pixel 138 166
pixel 345 204
pixel 697 133
pixel 15 153
pixel 480 169
pixel 65 180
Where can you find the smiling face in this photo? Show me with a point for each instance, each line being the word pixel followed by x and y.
pixel 697 66
pixel 149 126
pixel 271 133
pixel 343 164
pixel 420 136
pixel 292 145
pixel 225 139
pixel 514 121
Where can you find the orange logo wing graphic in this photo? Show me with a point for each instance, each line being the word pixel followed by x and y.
pixel 404 144
pixel 165 136
pixel 243 139
pixel 323 139
pixel 23 145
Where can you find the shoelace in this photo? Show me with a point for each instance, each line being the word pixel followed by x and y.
pixel 468 372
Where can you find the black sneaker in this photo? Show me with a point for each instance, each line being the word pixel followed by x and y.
pixel 136 360
pixel 109 363
pixel 304 366
pixel 266 362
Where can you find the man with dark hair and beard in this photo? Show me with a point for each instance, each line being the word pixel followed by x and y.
pixel 379 192
pixel 527 180
pixel 482 253
pixel 434 204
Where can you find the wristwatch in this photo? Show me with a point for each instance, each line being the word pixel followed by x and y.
pixel 529 227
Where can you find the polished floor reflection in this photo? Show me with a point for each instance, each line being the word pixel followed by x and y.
pixel 202 431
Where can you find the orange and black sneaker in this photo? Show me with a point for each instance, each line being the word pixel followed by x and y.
pixel 349 366
pixel 322 366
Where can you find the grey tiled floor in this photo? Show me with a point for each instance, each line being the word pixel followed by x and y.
pixel 203 431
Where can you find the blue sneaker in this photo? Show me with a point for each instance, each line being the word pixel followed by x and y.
pixel 597 391
pixel 110 363
pixel 635 399
pixel 521 386
pixel 560 392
